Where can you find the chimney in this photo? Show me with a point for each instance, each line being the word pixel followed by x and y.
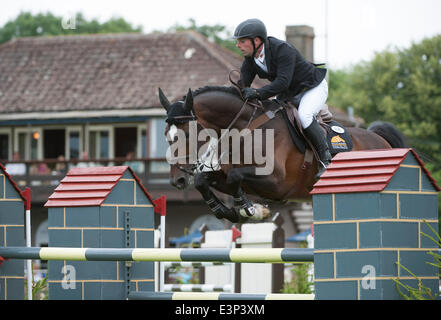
pixel 302 37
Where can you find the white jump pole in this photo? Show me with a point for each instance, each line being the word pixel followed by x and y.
pixel 161 264
pixel 160 208
pixel 235 234
pixel 27 195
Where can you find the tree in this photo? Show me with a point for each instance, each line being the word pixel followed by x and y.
pixel 402 86
pixel 28 25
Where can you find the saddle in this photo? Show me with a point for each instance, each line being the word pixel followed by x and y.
pixel 337 136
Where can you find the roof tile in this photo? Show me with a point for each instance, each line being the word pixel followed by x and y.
pixel 89 186
pixel 364 171
pixel 114 71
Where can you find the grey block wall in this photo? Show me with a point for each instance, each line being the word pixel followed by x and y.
pixel 12 210
pixel 360 238
pixel 124 220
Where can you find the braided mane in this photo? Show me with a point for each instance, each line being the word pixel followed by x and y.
pixel 230 90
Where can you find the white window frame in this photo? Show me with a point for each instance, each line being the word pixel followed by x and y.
pixel 29 131
pixel 68 131
pixel 110 130
pixel 153 145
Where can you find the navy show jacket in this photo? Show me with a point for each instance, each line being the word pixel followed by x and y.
pixel 289 72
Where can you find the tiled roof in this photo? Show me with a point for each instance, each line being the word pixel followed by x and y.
pixel 111 72
pixel 364 171
pixel 104 72
pixel 89 186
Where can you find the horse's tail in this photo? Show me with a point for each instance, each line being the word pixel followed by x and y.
pixel 388 131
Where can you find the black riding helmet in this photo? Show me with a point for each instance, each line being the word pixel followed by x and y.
pixel 250 28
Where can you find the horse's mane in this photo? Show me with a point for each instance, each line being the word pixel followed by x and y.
pixel 230 90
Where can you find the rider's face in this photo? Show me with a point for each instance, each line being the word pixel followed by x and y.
pixel 246 46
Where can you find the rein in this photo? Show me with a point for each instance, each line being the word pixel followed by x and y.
pixel 250 125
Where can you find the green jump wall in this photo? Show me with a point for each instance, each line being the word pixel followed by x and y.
pixel 12 233
pixel 124 220
pixel 359 238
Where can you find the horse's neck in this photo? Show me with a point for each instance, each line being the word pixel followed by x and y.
pixel 223 116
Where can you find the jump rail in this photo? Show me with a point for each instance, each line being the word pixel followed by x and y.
pixel 258 255
pixel 216 296
pixel 197 288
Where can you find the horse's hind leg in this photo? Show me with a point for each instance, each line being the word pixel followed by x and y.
pixel 202 184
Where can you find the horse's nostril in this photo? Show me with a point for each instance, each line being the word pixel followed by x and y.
pixel 181 182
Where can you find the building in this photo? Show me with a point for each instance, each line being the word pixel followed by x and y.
pixel 86 100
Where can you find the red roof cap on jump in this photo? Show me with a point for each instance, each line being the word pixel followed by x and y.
pixel 364 171
pixel 89 186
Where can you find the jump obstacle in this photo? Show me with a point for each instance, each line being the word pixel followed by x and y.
pixel 273 255
pixel 370 208
pixel 234 277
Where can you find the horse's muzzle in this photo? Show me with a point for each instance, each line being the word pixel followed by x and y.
pixel 179 183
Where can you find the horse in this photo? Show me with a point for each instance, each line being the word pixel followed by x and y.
pixel 216 108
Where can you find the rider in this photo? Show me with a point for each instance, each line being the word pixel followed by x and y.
pixel 292 78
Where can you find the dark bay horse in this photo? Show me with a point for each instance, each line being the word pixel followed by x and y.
pixel 214 109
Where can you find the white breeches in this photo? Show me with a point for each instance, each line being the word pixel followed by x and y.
pixel 312 102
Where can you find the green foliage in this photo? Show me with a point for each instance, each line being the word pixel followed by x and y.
pixel 421 292
pixel 217 33
pixel 402 86
pixel 301 281
pixel 46 24
pixel 39 288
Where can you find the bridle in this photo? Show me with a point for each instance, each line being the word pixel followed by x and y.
pixel 192 117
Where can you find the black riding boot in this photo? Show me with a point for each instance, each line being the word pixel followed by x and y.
pixel 317 137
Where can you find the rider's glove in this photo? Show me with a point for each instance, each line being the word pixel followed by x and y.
pixel 250 93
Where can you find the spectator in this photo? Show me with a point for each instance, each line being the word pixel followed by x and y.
pixel 18 169
pixel 136 166
pixel 85 164
pixel 41 169
pixel 60 167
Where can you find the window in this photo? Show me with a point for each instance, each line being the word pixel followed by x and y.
pixel 143 145
pixel 158 145
pixel 99 142
pixel 74 145
pixel 28 142
pixel 5 145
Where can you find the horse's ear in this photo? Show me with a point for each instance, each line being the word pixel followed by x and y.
pixel 163 99
pixel 188 104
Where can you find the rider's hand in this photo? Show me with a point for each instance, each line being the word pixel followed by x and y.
pixel 250 93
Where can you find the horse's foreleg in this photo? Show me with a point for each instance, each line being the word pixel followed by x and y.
pixel 235 178
pixel 202 184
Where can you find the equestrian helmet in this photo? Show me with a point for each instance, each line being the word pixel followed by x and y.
pixel 250 28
